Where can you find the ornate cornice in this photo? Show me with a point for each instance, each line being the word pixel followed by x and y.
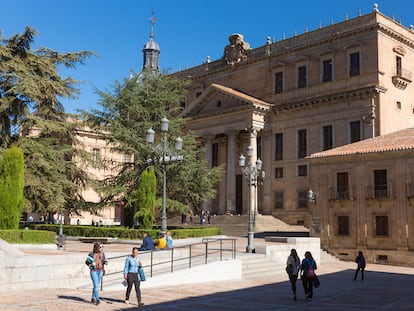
pixel 367 92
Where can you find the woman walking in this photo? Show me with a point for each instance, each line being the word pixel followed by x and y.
pixel 132 264
pixel 292 268
pixel 360 260
pixel 308 268
pixel 97 262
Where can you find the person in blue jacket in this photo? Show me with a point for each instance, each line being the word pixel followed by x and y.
pixel 147 243
pixel 308 268
pixel 132 264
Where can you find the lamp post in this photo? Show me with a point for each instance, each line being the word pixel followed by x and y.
pixel 167 156
pixel 252 172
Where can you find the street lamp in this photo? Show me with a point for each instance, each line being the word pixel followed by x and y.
pixel 254 176
pixel 167 156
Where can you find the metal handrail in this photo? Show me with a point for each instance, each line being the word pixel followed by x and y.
pixel 208 250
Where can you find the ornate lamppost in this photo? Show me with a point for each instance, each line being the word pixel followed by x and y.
pixel 166 156
pixel 253 173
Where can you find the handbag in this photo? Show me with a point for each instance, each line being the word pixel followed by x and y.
pixel 141 274
pixel 316 282
pixel 289 269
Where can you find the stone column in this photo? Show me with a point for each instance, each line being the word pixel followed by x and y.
pixel 253 189
pixel 231 172
pixel 208 152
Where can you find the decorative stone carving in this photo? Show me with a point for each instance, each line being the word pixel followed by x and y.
pixel 237 50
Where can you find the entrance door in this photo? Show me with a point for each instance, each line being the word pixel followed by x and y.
pixel 239 194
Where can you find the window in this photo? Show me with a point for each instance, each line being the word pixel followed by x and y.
pixel 327 70
pixel 380 183
pixel 302 170
pixel 279 82
pixel 127 158
pixel 96 154
pixel 215 155
pixel 218 103
pixel 354 67
pixel 343 225
pixel 279 199
pixel 381 225
pixel 278 172
pixel 355 131
pixel 398 64
pixel 302 198
pixel 278 147
pixel 302 76
pixel 259 147
pixel 302 146
pixel 198 94
pixel 327 133
pixel 399 105
pixel 342 190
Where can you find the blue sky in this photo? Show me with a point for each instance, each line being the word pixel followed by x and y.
pixel 187 30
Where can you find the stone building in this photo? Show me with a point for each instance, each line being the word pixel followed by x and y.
pixel 364 197
pixel 289 99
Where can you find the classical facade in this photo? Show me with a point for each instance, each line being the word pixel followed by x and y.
pixel 289 99
pixel 364 197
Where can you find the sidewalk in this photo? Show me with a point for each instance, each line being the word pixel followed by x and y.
pixel 384 288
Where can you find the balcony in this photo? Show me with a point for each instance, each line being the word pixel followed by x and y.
pixel 402 78
pixel 335 193
pixel 383 191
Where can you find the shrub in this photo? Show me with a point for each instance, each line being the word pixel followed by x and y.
pixel 28 236
pixel 126 233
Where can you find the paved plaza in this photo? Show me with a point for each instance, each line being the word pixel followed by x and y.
pixel 384 288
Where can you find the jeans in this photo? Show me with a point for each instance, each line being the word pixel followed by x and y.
pixel 96 276
pixel 293 278
pixel 362 273
pixel 308 286
pixel 133 280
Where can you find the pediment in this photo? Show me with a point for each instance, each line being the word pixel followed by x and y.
pixel 218 99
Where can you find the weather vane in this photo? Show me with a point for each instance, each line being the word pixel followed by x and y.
pixel 153 19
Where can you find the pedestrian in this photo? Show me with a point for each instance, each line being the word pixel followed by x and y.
pixel 191 215
pixel 183 218
pixel 360 260
pixel 169 240
pixel 308 268
pixel 96 266
pixel 292 268
pixel 202 219
pixel 208 217
pixel 147 243
pixel 132 264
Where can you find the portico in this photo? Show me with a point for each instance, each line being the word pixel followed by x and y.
pixel 229 121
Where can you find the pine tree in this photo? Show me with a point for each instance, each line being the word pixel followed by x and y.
pixel 32 117
pixel 11 188
pixel 127 113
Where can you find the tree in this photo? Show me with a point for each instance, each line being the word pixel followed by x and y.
pixel 128 111
pixel 11 188
pixel 32 117
pixel 144 198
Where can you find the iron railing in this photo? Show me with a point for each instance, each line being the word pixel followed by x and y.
pixel 206 249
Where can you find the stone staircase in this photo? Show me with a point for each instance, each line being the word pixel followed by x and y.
pixel 236 225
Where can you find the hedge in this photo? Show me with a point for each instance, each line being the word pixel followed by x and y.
pixel 126 233
pixel 28 236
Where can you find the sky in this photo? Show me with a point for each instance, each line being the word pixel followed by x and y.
pixel 187 31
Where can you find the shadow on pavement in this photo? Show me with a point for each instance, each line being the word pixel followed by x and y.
pixel 338 291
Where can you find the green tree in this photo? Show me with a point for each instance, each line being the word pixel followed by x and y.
pixel 11 188
pixel 128 111
pixel 32 117
pixel 144 198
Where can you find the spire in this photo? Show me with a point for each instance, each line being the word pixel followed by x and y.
pixel 151 50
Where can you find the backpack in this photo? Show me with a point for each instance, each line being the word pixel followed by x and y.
pixel 310 273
